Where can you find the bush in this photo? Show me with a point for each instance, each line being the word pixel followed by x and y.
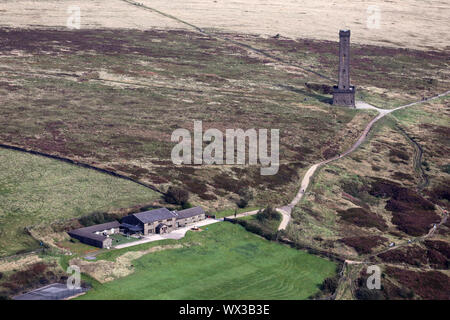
pixel 329 285
pixel 186 205
pixel 268 213
pixel 95 218
pixel 242 203
pixel 256 228
pixel 175 195
pixel 246 196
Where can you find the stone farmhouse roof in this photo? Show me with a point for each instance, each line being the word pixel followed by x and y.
pixel 154 215
pixel 187 213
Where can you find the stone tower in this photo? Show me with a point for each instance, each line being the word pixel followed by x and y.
pixel 344 93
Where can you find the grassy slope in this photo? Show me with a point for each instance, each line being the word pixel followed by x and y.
pixel 229 263
pixel 37 190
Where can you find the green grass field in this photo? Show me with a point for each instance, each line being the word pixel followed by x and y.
pixel 37 190
pixel 223 262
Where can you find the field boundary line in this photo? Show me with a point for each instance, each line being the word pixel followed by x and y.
pixel 80 164
pixel 227 39
pixel 417 159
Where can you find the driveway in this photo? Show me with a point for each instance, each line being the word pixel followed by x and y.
pixel 176 234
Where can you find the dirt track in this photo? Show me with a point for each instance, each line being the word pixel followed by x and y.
pixel 286 211
pixel 403 23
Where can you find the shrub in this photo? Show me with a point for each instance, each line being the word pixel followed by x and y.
pixel 329 285
pixel 95 218
pixel 246 196
pixel 186 205
pixel 257 228
pixel 268 213
pixel 175 195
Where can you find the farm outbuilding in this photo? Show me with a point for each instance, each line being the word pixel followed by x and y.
pixel 97 235
pixel 188 216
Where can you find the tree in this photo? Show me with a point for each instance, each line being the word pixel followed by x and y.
pixel 268 213
pixel 177 196
pixel 246 195
pixel 94 218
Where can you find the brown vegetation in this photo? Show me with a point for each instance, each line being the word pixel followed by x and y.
pixel 428 285
pixel 364 245
pixel 33 276
pixel 412 255
pixel 363 218
pixel 412 213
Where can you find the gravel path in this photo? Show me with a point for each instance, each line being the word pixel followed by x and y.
pixel 286 210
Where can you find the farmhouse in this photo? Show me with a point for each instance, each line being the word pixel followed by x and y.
pixel 155 221
pixel 161 220
pixel 97 235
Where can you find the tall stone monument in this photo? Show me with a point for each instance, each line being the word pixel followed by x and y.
pixel 344 93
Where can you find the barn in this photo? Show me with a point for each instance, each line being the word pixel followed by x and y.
pixel 96 235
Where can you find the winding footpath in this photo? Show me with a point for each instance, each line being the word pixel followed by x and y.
pixel 287 210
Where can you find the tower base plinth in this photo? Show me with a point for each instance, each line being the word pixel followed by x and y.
pixel 344 97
